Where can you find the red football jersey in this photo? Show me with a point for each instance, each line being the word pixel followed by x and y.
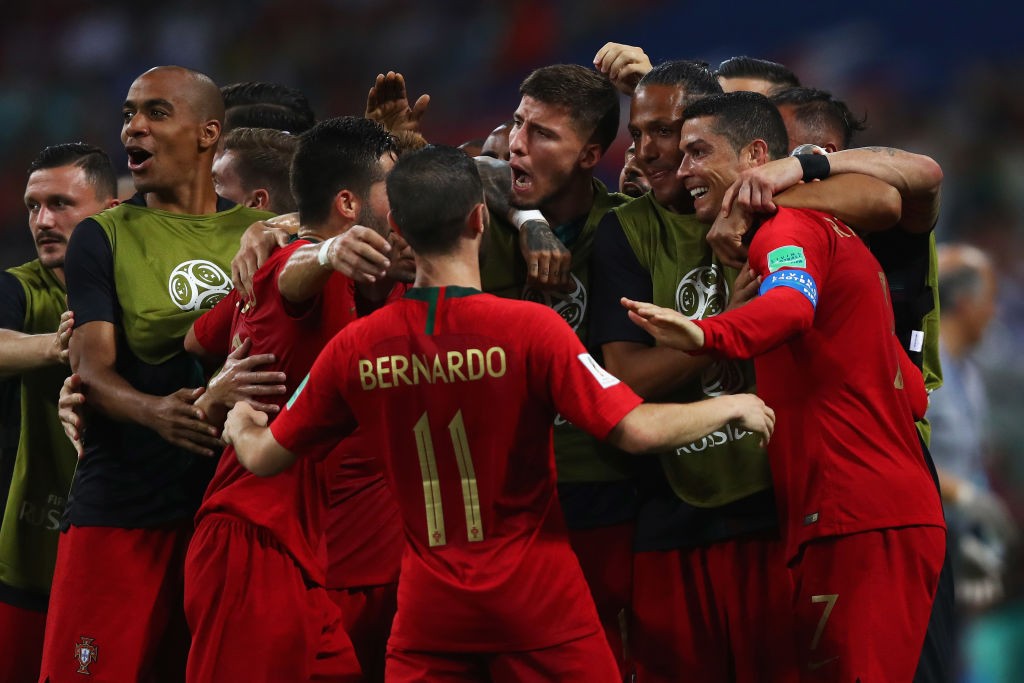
pixel 290 506
pixel 460 390
pixel 845 456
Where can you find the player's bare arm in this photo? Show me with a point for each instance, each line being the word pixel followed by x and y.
pixel 258 242
pixel 858 200
pixel 651 371
pixel 20 352
pixel 918 179
pixel 246 429
pixel 174 417
pixel 360 253
pixel 548 261
pixel 624 65
pixel 240 380
pixel 656 427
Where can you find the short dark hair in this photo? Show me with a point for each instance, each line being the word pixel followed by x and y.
pixel 742 117
pixel 259 104
pixel 263 159
pixel 751 67
pixel 99 170
pixel 336 154
pixel 431 192
pixel 693 76
pixel 591 99
pixel 819 113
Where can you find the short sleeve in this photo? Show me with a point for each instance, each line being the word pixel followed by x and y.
pixel 615 273
pixel 89 272
pixel 213 328
pixel 581 390
pixel 12 303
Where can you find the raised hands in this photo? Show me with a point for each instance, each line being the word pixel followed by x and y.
pixel 387 103
pixel 624 65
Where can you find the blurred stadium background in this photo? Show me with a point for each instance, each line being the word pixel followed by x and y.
pixel 939 78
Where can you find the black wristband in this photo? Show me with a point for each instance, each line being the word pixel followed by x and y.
pixel 815 166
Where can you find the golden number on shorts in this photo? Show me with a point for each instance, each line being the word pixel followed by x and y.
pixel 830 602
pixel 432 484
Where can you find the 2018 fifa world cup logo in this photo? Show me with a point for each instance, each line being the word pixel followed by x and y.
pixel 198 284
pixel 704 292
pixel 571 304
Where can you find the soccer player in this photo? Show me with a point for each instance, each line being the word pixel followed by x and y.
pixel 256 548
pixel 567 118
pixel 66 184
pixel 138 276
pixel 251 169
pixel 489 588
pixel 862 523
pixel 754 75
pixel 707 508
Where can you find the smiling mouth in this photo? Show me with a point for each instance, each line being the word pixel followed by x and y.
pixel 698 192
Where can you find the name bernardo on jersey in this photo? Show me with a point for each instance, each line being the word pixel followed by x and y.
pixel 466 365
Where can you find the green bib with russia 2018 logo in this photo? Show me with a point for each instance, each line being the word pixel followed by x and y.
pixel 727 464
pixel 169 268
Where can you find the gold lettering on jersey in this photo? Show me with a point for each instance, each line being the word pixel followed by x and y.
pixel 469 365
pixel 470 497
pixel 842 231
pixel 431 482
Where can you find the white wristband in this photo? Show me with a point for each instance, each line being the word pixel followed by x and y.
pixel 519 217
pixel 324 253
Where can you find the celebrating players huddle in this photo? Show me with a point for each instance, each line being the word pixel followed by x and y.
pixel 342 446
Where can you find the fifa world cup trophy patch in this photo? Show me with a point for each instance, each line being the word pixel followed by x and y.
pixel 85 654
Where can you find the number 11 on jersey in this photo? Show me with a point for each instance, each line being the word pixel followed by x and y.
pixel 432 482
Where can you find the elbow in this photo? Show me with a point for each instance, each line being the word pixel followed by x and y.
pixel 889 204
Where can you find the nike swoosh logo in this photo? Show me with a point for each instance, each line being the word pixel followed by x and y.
pixel 813 666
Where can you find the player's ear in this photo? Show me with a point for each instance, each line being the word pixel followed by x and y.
pixel 209 134
pixel 476 221
pixel 590 155
pixel 393 224
pixel 831 147
pixel 259 199
pixel 755 153
pixel 346 205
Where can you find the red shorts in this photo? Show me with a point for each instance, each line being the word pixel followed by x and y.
pixel 606 558
pixel 584 660
pixel 115 606
pixel 251 614
pixel 862 603
pixel 21 639
pixel 366 616
pixel 715 613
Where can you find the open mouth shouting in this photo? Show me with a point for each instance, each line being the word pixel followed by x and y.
pixel 522 182
pixel 138 158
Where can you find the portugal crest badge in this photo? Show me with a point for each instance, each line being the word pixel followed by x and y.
pixel 85 654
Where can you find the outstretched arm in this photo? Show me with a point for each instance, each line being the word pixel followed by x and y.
pixel 655 427
pixel 20 352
